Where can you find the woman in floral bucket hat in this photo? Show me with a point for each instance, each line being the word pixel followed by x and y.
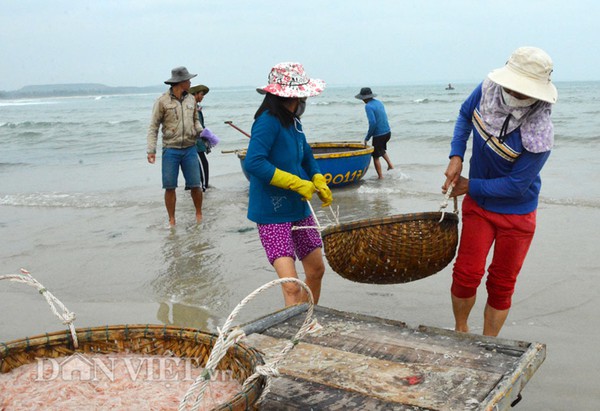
pixel 283 177
pixel 509 117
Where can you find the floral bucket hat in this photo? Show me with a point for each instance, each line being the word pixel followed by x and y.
pixel 290 80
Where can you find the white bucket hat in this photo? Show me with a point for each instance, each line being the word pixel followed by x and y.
pixel 527 71
pixel 290 80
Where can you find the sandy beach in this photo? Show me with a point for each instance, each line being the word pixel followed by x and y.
pixel 88 221
pixel 555 303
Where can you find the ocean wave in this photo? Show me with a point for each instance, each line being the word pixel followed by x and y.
pixel 434 121
pixel 440 101
pixel 571 202
pixel 56 124
pixel 38 124
pixel 587 139
pixel 5 166
pixel 121 122
pixel 11 103
pixel 63 200
pixel 28 134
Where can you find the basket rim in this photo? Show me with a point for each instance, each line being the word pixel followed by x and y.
pixel 85 332
pixel 89 335
pixel 398 218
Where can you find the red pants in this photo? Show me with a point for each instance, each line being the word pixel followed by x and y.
pixel 512 234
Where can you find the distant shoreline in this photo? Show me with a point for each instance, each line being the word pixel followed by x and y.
pixel 74 90
pixel 96 89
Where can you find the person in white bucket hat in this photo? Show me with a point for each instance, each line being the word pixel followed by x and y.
pixel 283 177
pixel 508 115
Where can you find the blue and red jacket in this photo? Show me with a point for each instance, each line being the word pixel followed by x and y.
pixel 503 177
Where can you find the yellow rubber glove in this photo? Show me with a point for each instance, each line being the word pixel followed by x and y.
pixel 324 192
pixel 283 179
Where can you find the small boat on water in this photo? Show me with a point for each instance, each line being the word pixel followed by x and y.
pixel 341 163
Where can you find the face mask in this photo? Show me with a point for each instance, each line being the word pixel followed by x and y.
pixel 512 101
pixel 301 107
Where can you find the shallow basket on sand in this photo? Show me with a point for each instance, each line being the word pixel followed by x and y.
pixel 392 250
pixel 240 359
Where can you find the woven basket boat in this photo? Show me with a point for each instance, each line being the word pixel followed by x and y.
pixel 240 359
pixel 392 250
pixel 341 163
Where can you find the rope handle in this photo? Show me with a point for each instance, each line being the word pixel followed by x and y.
pixel 444 203
pixel 229 335
pixel 67 317
pixel 319 227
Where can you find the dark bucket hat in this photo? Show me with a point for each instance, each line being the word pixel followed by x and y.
pixel 179 74
pixel 365 93
pixel 200 88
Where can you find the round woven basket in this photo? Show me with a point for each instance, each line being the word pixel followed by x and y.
pixel 392 250
pixel 240 359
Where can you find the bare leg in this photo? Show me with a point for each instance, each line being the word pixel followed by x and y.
pixel 285 268
pixel 462 308
pixel 197 199
pixel 170 200
pixel 493 320
pixel 314 268
pixel 377 164
pixel 388 161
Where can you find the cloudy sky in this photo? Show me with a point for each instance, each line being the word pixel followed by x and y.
pixel 235 42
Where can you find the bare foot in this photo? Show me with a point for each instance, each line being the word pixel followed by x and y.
pixel 171 222
pixel 390 166
pixel 198 218
pixel 379 177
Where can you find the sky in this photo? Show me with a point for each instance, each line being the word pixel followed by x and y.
pixel 231 43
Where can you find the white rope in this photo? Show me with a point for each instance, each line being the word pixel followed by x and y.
pixel 66 316
pixel 319 227
pixel 444 203
pixel 312 210
pixel 229 335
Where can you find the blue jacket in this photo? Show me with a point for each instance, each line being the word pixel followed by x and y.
pixel 503 178
pixel 273 146
pixel 378 121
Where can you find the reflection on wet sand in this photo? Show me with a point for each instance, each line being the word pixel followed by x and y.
pixel 187 316
pixel 189 280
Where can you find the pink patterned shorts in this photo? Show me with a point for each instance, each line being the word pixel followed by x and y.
pixel 279 240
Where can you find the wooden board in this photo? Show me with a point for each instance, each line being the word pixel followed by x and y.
pixel 369 363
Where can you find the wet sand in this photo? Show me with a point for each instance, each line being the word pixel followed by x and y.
pixel 118 266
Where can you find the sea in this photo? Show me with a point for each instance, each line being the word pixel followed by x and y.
pixel 82 210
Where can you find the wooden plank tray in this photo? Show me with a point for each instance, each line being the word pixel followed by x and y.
pixel 369 363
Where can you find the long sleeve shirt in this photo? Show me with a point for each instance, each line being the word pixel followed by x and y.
pixel 274 146
pixel 179 121
pixel 503 177
pixel 378 120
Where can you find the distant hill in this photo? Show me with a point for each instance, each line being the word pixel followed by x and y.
pixel 76 89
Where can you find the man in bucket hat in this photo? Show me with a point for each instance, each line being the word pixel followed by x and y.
pixel 203 145
pixel 379 128
pixel 175 111
pixel 509 117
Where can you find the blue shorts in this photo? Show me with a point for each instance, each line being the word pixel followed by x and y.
pixel 172 159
